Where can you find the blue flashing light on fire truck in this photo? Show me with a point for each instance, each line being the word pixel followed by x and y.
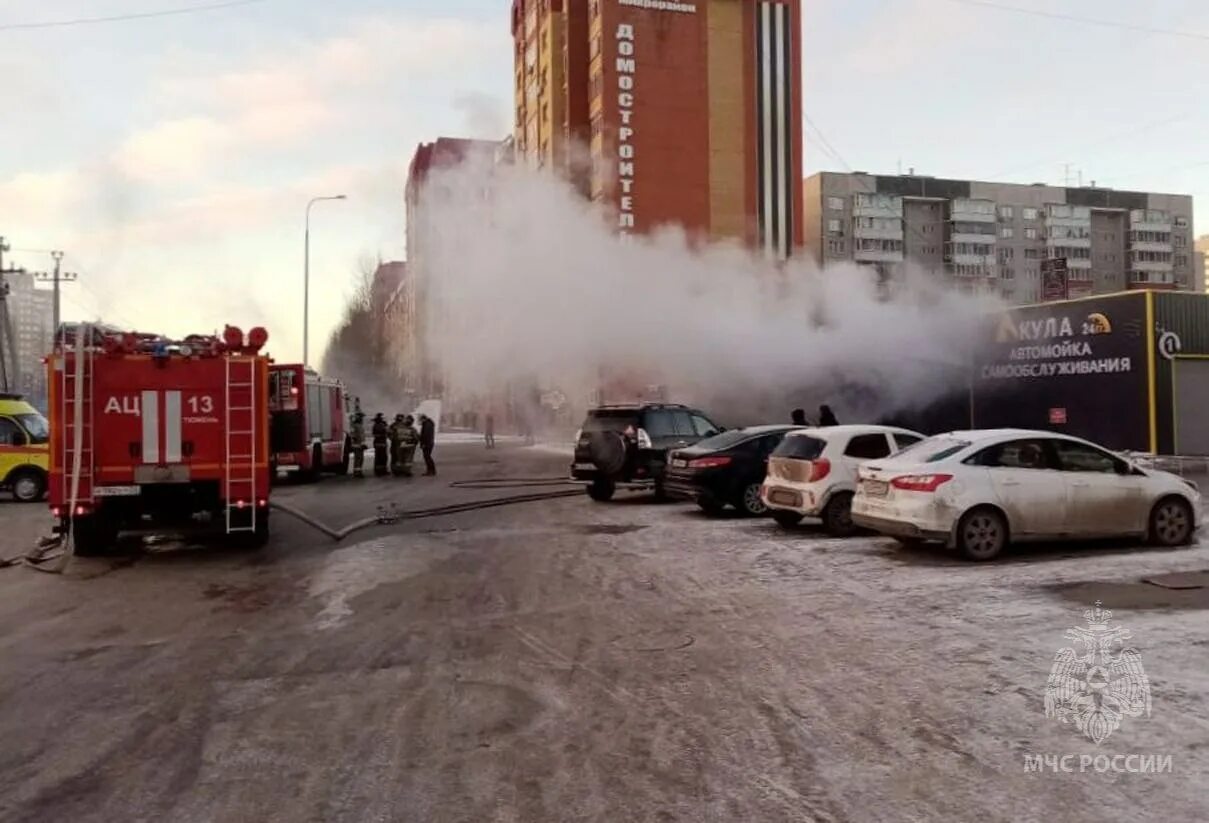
pixel 309 422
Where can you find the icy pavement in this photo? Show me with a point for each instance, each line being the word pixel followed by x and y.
pixel 567 660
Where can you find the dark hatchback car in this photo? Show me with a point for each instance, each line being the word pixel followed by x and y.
pixel 626 446
pixel 727 469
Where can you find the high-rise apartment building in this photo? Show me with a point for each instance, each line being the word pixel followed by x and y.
pixel 1202 262
pixel 689 112
pixel 995 236
pixel 31 312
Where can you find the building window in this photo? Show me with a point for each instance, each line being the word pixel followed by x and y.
pixel 1033 254
pixel 835 203
pixel 1030 234
pixel 1007 232
pixel 1006 254
pixel 835 246
pixel 1006 212
pixel 1029 213
pixel 1181 222
pixel 833 227
pixel 1181 260
pixel 1180 241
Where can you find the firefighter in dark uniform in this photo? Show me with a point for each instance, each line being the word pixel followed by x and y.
pixel 396 446
pixel 380 434
pixel 358 442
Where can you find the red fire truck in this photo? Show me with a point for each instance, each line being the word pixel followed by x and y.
pixel 154 434
pixel 309 422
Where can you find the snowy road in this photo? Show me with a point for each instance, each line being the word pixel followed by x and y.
pixel 578 661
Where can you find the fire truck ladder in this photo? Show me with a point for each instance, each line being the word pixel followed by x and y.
pixel 242 509
pixel 75 397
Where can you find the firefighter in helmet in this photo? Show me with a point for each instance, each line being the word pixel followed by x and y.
pixel 358 444
pixel 396 446
pixel 409 438
pixel 380 434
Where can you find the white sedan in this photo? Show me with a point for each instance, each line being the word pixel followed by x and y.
pixel 980 490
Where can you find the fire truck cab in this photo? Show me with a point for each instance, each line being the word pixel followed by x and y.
pixel 153 434
pixel 309 418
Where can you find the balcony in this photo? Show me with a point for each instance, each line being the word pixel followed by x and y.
pixel 879 233
pixel 1155 266
pixel 877 255
pixel 1151 246
pixel 979 239
pixel 1150 220
pixel 988 260
pixel 972 211
pixel 872 205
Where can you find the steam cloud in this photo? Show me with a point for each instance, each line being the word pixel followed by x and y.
pixel 528 281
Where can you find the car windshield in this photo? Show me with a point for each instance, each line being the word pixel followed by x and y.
pixel 933 450
pixel 35 426
pixel 725 440
pixel 800 447
pixel 611 420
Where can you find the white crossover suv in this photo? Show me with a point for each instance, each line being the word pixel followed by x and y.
pixel 978 491
pixel 813 472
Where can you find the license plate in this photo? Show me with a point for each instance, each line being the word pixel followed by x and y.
pixel 585 466
pixel 876 488
pixel 783 498
pixel 117 491
pixel 679 464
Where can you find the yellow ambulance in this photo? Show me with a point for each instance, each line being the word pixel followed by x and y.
pixel 24 449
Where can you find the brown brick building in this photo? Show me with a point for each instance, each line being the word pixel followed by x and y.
pixel 674 112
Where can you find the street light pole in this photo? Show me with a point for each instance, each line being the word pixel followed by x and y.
pixel 306 280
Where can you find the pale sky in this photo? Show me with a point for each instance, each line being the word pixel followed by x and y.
pixel 172 158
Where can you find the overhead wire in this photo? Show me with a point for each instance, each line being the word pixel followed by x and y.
pixel 1077 18
pixel 116 18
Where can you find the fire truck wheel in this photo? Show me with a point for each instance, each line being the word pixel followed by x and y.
pixel 28 485
pixel 94 535
pixel 316 471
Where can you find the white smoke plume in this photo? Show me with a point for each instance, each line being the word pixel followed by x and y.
pixel 528 280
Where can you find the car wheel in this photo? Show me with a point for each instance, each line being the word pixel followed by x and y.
pixel 837 517
pixel 750 503
pixel 602 490
pixel 1171 523
pixel 710 506
pixel 28 486
pixel 982 534
pixel 786 519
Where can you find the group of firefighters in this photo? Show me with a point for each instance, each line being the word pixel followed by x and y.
pixel 394 444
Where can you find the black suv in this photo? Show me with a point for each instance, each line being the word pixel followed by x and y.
pixel 627 445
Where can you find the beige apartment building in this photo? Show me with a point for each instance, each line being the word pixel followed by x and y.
pixel 994 236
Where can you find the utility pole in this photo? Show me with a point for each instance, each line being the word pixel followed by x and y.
pixel 57 277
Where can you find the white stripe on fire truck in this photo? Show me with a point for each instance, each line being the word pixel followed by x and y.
pixel 172 427
pixel 151 427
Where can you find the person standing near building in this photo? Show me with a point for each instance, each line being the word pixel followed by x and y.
pixel 428 438
pixel 798 417
pixel 827 416
pixel 489 430
pixel 357 436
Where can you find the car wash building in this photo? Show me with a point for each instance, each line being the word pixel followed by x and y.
pixel 1128 370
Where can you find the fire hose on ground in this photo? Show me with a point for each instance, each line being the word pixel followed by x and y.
pixel 41 557
pixel 390 515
